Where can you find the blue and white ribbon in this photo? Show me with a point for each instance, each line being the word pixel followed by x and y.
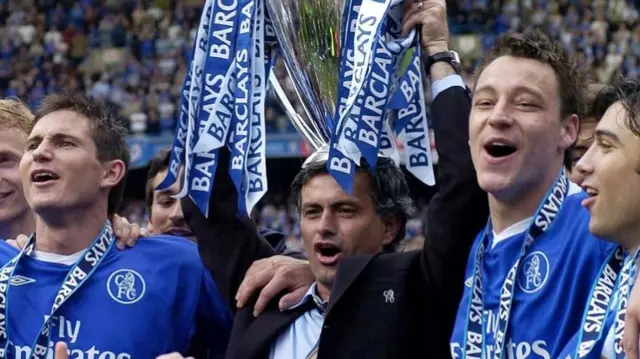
pixel 256 169
pixel 183 144
pixel 412 121
pixel 216 102
pixel 627 278
pixel 178 148
pixel 241 122
pixel 373 47
pixel 79 274
pixel 340 165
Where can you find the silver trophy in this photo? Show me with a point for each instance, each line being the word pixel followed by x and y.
pixel 308 34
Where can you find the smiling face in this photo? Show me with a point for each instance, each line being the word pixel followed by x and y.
pixel 60 169
pixel 517 137
pixel 166 211
pixel 611 169
pixel 334 224
pixel 12 202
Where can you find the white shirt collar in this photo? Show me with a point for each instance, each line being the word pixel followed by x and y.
pixel 312 294
pixel 68 260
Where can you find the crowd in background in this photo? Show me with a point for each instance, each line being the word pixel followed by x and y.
pixel 132 53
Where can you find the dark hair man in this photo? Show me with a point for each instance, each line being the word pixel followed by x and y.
pixel 165 211
pixel 101 302
pixel 530 272
pixel 611 171
pixel 365 301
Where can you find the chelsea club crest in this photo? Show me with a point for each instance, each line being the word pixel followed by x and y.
pixel 534 272
pixel 126 286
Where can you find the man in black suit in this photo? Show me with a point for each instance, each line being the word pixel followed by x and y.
pixel 366 301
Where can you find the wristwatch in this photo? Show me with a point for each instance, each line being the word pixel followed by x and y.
pixel 450 57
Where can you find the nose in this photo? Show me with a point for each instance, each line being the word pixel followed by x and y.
pixel 42 152
pixel 176 215
pixel 585 164
pixel 327 225
pixel 500 117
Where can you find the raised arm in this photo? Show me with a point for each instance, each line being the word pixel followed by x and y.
pixel 459 209
pixel 228 243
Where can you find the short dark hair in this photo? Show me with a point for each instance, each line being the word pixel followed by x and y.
pixel 590 96
pixel 159 163
pixel 570 74
pixel 389 191
pixel 108 134
pixel 626 91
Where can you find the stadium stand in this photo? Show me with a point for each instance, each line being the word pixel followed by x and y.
pixel 132 54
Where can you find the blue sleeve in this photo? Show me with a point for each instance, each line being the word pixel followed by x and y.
pixel 214 319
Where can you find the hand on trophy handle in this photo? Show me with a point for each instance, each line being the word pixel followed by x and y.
pixel 431 15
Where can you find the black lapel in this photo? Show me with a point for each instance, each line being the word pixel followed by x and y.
pixel 348 270
pixel 264 330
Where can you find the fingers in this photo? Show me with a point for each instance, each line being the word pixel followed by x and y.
pixel 122 230
pixel 630 338
pixel 22 240
pixel 258 275
pixel 127 234
pixel 61 351
pixel 135 234
pixel 290 299
pixel 412 16
pixel 270 291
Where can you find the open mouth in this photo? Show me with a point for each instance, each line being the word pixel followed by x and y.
pixel 327 253
pixel 179 232
pixel 592 192
pixel 43 176
pixel 499 149
pixel 589 201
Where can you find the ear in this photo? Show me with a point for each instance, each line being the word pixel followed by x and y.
pixel 569 131
pixel 390 228
pixel 112 173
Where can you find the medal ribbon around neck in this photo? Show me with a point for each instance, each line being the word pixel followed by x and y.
pixel 75 278
pixel 474 340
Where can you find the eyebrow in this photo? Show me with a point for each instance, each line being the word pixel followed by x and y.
pixel 334 204
pixel 56 137
pixel 515 90
pixel 607 134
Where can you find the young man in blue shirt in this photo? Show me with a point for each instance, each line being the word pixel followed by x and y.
pixel 68 284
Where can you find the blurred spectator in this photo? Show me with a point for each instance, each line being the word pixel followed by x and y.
pixel 605 33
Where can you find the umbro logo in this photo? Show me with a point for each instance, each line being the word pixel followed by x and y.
pixel 18 280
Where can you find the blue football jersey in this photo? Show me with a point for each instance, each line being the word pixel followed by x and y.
pixel 606 346
pixel 139 303
pixel 552 284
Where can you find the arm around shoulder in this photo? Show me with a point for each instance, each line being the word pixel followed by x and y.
pixel 228 242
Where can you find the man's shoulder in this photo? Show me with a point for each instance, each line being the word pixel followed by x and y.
pixel 169 249
pixel 7 252
pixel 391 263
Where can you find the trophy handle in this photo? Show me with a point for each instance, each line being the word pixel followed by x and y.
pixel 312 135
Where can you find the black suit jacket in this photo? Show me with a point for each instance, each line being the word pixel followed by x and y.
pixel 387 305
